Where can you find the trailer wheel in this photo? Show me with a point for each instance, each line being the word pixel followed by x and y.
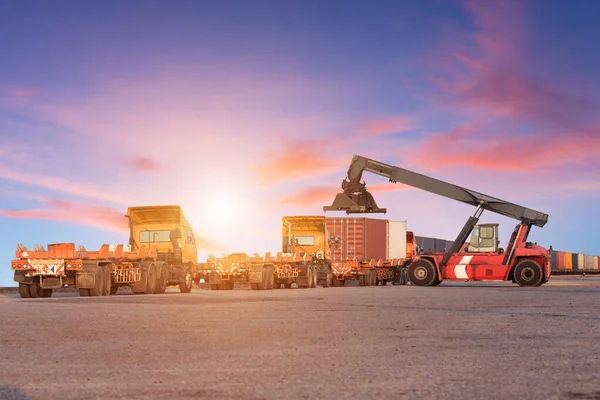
pixel 188 282
pixel 287 285
pixel 528 273
pixel 84 292
pixel 108 283
pixel 422 272
pixel 373 276
pixel 384 282
pixel 24 291
pixel 225 285
pixel 161 280
pixel 98 288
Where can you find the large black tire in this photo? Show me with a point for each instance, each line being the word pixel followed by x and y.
pixel 362 280
pixel 151 279
pixel 315 278
pixel 113 289
pixel 287 285
pixel 422 272
pixel 188 282
pixel 98 288
pixel 24 291
pixel 309 279
pixel 528 273
pixel 215 286
pixel 84 292
pixel 162 276
pixel 108 282
pixel 270 278
pixel 373 275
pixel 328 279
pixel 335 282
pixel 226 285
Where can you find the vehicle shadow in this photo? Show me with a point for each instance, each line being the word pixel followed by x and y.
pixel 12 392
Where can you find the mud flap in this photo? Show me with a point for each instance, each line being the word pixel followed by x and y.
pixel 255 273
pixel 86 279
pixel 22 278
pixel 51 283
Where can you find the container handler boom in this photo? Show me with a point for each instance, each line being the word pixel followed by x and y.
pixel 356 199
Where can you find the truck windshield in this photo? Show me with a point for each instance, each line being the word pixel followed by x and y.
pixel 305 240
pixel 154 236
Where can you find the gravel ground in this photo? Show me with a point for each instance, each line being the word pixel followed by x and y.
pixel 454 341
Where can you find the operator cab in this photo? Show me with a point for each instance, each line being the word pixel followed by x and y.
pixel 484 239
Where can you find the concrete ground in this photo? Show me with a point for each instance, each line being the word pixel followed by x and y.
pixel 454 341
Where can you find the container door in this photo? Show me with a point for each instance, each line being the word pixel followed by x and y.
pixel 396 239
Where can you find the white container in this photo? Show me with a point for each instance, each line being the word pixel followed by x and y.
pixel 396 239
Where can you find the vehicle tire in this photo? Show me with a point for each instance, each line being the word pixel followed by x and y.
pixel 384 282
pixel 24 291
pixel 328 279
pixel 315 278
pixel 188 282
pixel 161 279
pixel 309 279
pixel 84 292
pixel 422 272
pixel 277 284
pixel 335 282
pixel 108 283
pixel 373 277
pixel 287 285
pixel 46 293
pixel 215 286
pixel 255 286
pixel 225 285
pixel 113 289
pixel 528 273
pixel 151 279
pixel 98 288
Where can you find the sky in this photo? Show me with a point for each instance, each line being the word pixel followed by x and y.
pixel 243 112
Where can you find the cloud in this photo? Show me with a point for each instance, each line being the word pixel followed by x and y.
pixel 387 125
pixel 299 159
pixel 324 195
pixel 22 96
pixel 144 164
pixel 206 245
pixel 62 185
pixel 54 209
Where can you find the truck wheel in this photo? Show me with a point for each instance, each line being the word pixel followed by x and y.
pixel 362 281
pixel 98 288
pixel 384 282
pixel 422 272
pixel 335 282
pixel 113 289
pixel 309 279
pixel 151 279
pixel 161 279
pixel 108 283
pixel 268 278
pixel 188 282
pixel 528 273
pixel 328 279
pixel 24 291
pixel 215 286
pixel 84 292
pixel 287 285
pixel 315 278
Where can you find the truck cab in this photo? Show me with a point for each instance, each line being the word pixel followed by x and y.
pixel 305 234
pixel 164 227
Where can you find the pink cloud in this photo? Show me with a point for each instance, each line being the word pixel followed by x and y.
pixel 74 212
pixel 299 159
pixel 23 95
pixel 324 195
pixel 144 164
pixel 385 125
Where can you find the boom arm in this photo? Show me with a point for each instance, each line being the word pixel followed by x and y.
pixel 356 199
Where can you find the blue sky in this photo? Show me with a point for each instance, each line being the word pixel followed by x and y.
pixel 243 112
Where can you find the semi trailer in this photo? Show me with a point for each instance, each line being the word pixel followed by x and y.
pixel 161 252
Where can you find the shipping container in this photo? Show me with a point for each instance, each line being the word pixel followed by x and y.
pixel 560 260
pixel 568 261
pixel 396 240
pixel 449 244
pixel 588 262
pixel 553 260
pixel 428 244
pixel 581 261
pixel 359 238
pixel 576 265
pixel 596 262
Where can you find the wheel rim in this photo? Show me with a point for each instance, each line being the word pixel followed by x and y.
pixel 188 279
pixel 527 274
pixel 421 273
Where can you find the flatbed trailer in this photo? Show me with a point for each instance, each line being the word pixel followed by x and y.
pixel 262 273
